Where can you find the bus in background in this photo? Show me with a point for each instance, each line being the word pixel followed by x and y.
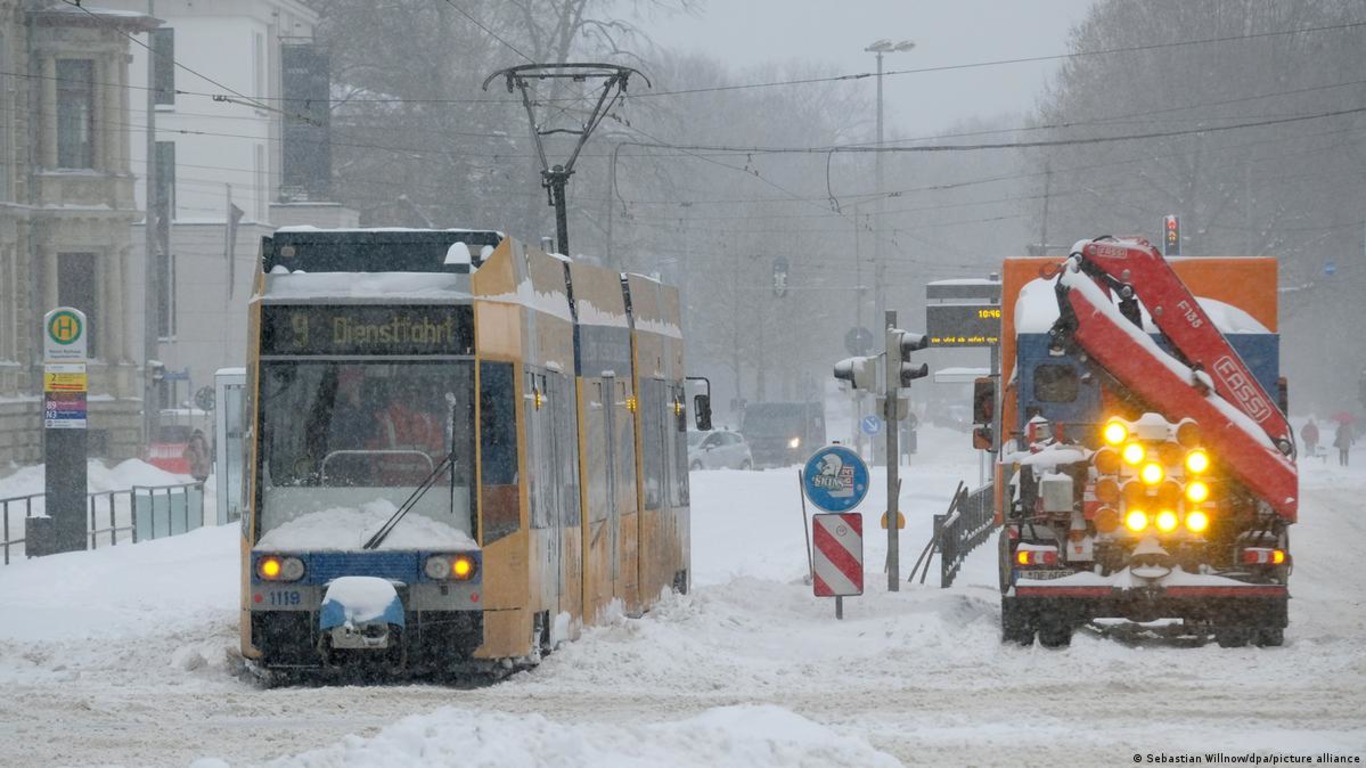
pixel 782 434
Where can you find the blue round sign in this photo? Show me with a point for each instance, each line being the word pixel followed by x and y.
pixel 871 425
pixel 835 479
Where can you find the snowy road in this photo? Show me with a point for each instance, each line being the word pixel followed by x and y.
pixel 749 669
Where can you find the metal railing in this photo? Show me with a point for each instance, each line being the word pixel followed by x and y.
pixel 968 523
pixel 139 513
pixel 5 507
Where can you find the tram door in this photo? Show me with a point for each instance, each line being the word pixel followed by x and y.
pixel 600 516
pixel 626 545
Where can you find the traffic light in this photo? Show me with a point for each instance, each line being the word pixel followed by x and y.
pixel 1172 236
pixel 157 369
pixel 860 372
pixel 900 345
pixel 983 400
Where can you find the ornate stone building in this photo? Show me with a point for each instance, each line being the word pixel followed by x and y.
pixel 66 215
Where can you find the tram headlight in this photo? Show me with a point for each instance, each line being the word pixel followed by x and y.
pixel 794 443
pixel 462 568
pixel 458 567
pixel 278 568
pixel 437 567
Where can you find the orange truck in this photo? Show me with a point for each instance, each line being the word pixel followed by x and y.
pixel 1147 469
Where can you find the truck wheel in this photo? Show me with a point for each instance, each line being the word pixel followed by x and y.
pixel 1016 624
pixel 1055 634
pixel 1003 561
pixel 1273 637
pixel 1232 637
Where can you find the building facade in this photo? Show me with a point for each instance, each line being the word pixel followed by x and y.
pixel 229 99
pixel 233 121
pixel 66 214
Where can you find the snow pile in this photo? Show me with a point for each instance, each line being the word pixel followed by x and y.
pixel 124 652
pixel 728 737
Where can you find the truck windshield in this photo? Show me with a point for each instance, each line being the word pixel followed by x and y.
pixel 774 421
pixel 344 444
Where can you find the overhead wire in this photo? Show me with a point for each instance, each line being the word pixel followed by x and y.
pixel 245 99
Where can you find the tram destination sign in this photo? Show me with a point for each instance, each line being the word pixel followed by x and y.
pixel 399 329
pixel 963 325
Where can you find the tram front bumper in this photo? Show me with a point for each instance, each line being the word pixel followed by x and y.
pixel 359 610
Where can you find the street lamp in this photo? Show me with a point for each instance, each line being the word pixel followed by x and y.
pixel 879 48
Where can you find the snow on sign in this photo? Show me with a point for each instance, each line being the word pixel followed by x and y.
pixel 838 558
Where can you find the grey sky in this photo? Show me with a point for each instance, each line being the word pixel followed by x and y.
pixel 744 33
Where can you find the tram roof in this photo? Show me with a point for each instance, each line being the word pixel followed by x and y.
pixel 309 249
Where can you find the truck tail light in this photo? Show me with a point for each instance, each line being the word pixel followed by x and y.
pixel 1264 556
pixel 1036 557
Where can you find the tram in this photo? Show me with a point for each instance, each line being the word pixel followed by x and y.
pixel 462 450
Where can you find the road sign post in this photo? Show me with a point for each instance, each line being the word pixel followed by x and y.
pixel 838 556
pixel 835 479
pixel 65 444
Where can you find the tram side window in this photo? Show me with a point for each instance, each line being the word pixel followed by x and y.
pixel 625 444
pixel 566 447
pixel 540 432
pixel 498 451
pixel 652 441
pixel 679 486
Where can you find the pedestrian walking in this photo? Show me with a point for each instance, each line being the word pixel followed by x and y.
pixel 1342 440
pixel 197 454
pixel 1309 433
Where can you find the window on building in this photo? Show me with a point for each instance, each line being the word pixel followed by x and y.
pixel 165 213
pixel 163 65
pixel 78 286
pixel 75 113
pixel 9 287
pixel 7 156
pixel 258 64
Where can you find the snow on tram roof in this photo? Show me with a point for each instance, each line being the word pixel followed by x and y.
pixel 282 284
pixel 311 228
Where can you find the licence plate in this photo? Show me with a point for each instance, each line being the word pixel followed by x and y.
pixel 1043 575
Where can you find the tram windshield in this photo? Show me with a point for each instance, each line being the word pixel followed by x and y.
pixel 345 444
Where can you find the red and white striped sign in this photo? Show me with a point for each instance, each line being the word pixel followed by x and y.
pixel 838 556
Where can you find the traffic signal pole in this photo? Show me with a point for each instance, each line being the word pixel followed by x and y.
pixel 889 417
pixel 861 374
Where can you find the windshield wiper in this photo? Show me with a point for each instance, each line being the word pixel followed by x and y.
pixel 413 498
pixel 426 484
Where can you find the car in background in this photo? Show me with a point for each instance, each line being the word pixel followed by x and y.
pixel 718 449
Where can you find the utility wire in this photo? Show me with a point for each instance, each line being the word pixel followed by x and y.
pixel 245 99
pixel 490 32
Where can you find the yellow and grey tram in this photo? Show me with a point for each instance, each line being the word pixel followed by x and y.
pixel 461 450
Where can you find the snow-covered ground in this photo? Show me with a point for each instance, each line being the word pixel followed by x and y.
pixel 118 657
